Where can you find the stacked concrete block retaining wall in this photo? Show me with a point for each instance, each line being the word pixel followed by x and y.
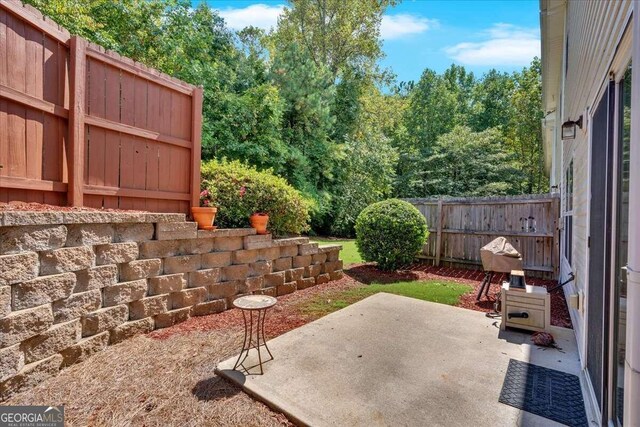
pixel 72 283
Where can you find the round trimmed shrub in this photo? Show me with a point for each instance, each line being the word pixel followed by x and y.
pixel 239 190
pixel 391 233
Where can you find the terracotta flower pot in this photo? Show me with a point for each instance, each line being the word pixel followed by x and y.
pixel 259 222
pixel 204 216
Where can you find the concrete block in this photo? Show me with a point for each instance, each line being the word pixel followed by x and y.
pixel 323 278
pixel 167 284
pixel 173 317
pixel 272 292
pixel 164 217
pixel 32 218
pixel 282 264
pixel 123 293
pixel 286 288
pixel 182 264
pixel 291 241
pixel 176 230
pixel 24 324
pixel 253 284
pixel 96 278
pixel 331 266
pixel 274 279
pixel 66 259
pixel 269 254
pixel 18 268
pixel 306 282
pixel 235 272
pixel 52 341
pixel 85 348
pixel 116 253
pixel 141 269
pixel 318 258
pixel 130 329
pixel 31 375
pixel 301 261
pixel 216 259
pixel 245 256
pixel 42 290
pixel 89 234
pixel 5 300
pixel 102 217
pixel 336 275
pixel 76 305
pixel 133 232
pixel 149 306
pixel 187 297
pixel 224 289
pixel 210 307
pixel 260 268
pixel 32 238
pixel 226 232
pixel 204 277
pixel 308 249
pixel 333 255
pixel 104 319
pixel 224 244
pixel 196 246
pixel 312 270
pixel 11 362
pixel 288 251
pixel 258 241
pixel 159 249
pixel 294 274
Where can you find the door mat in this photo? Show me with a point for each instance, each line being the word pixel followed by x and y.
pixel 546 392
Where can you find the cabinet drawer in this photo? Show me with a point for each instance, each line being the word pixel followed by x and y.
pixel 535 319
pixel 525 300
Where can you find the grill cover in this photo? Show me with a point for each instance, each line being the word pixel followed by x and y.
pixel 500 256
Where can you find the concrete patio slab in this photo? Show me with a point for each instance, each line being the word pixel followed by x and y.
pixel 392 360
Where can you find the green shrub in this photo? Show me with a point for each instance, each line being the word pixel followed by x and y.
pixel 240 190
pixel 390 233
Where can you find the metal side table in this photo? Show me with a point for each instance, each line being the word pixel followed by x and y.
pixel 253 306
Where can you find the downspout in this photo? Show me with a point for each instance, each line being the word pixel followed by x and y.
pixel 632 356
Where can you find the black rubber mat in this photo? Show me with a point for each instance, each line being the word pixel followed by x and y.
pixel 546 392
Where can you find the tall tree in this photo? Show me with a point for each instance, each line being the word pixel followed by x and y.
pixel 336 33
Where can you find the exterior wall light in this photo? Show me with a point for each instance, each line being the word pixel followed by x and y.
pixel 569 128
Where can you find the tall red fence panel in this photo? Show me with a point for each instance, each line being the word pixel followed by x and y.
pixel 83 126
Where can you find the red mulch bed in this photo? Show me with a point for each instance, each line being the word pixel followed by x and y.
pixel 286 316
pixel 42 207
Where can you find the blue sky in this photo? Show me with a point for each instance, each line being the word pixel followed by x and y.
pixel 421 34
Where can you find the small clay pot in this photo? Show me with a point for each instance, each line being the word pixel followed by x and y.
pixel 259 221
pixel 204 216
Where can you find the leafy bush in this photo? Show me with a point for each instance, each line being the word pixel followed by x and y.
pixel 390 233
pixel 240 190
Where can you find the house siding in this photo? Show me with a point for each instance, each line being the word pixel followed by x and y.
pixel 594 30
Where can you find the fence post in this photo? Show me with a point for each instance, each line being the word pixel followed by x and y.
pixel 439 233
pixel 75 152
pixel 196 140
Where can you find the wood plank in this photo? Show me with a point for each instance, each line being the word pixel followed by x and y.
pixel 76 121
pixel 18 11
pixel 32 184
pixel 33 102
pixel 132 192
pixel 3 47
pixel 134 131
pixel 156 78
pixel 438 247
pixel 196 114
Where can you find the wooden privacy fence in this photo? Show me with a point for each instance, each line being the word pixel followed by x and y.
pixel 459 227
pixel 86 127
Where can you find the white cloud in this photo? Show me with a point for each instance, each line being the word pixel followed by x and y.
pixel 402 25
pixel 505 44
pixel 258 15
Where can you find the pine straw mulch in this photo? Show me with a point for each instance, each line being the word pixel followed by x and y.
pixel 166 378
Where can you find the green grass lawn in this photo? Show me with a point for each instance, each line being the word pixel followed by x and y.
pixel 439 291
pixel 349 253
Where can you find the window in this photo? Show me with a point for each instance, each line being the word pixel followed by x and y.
pixel 568 213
